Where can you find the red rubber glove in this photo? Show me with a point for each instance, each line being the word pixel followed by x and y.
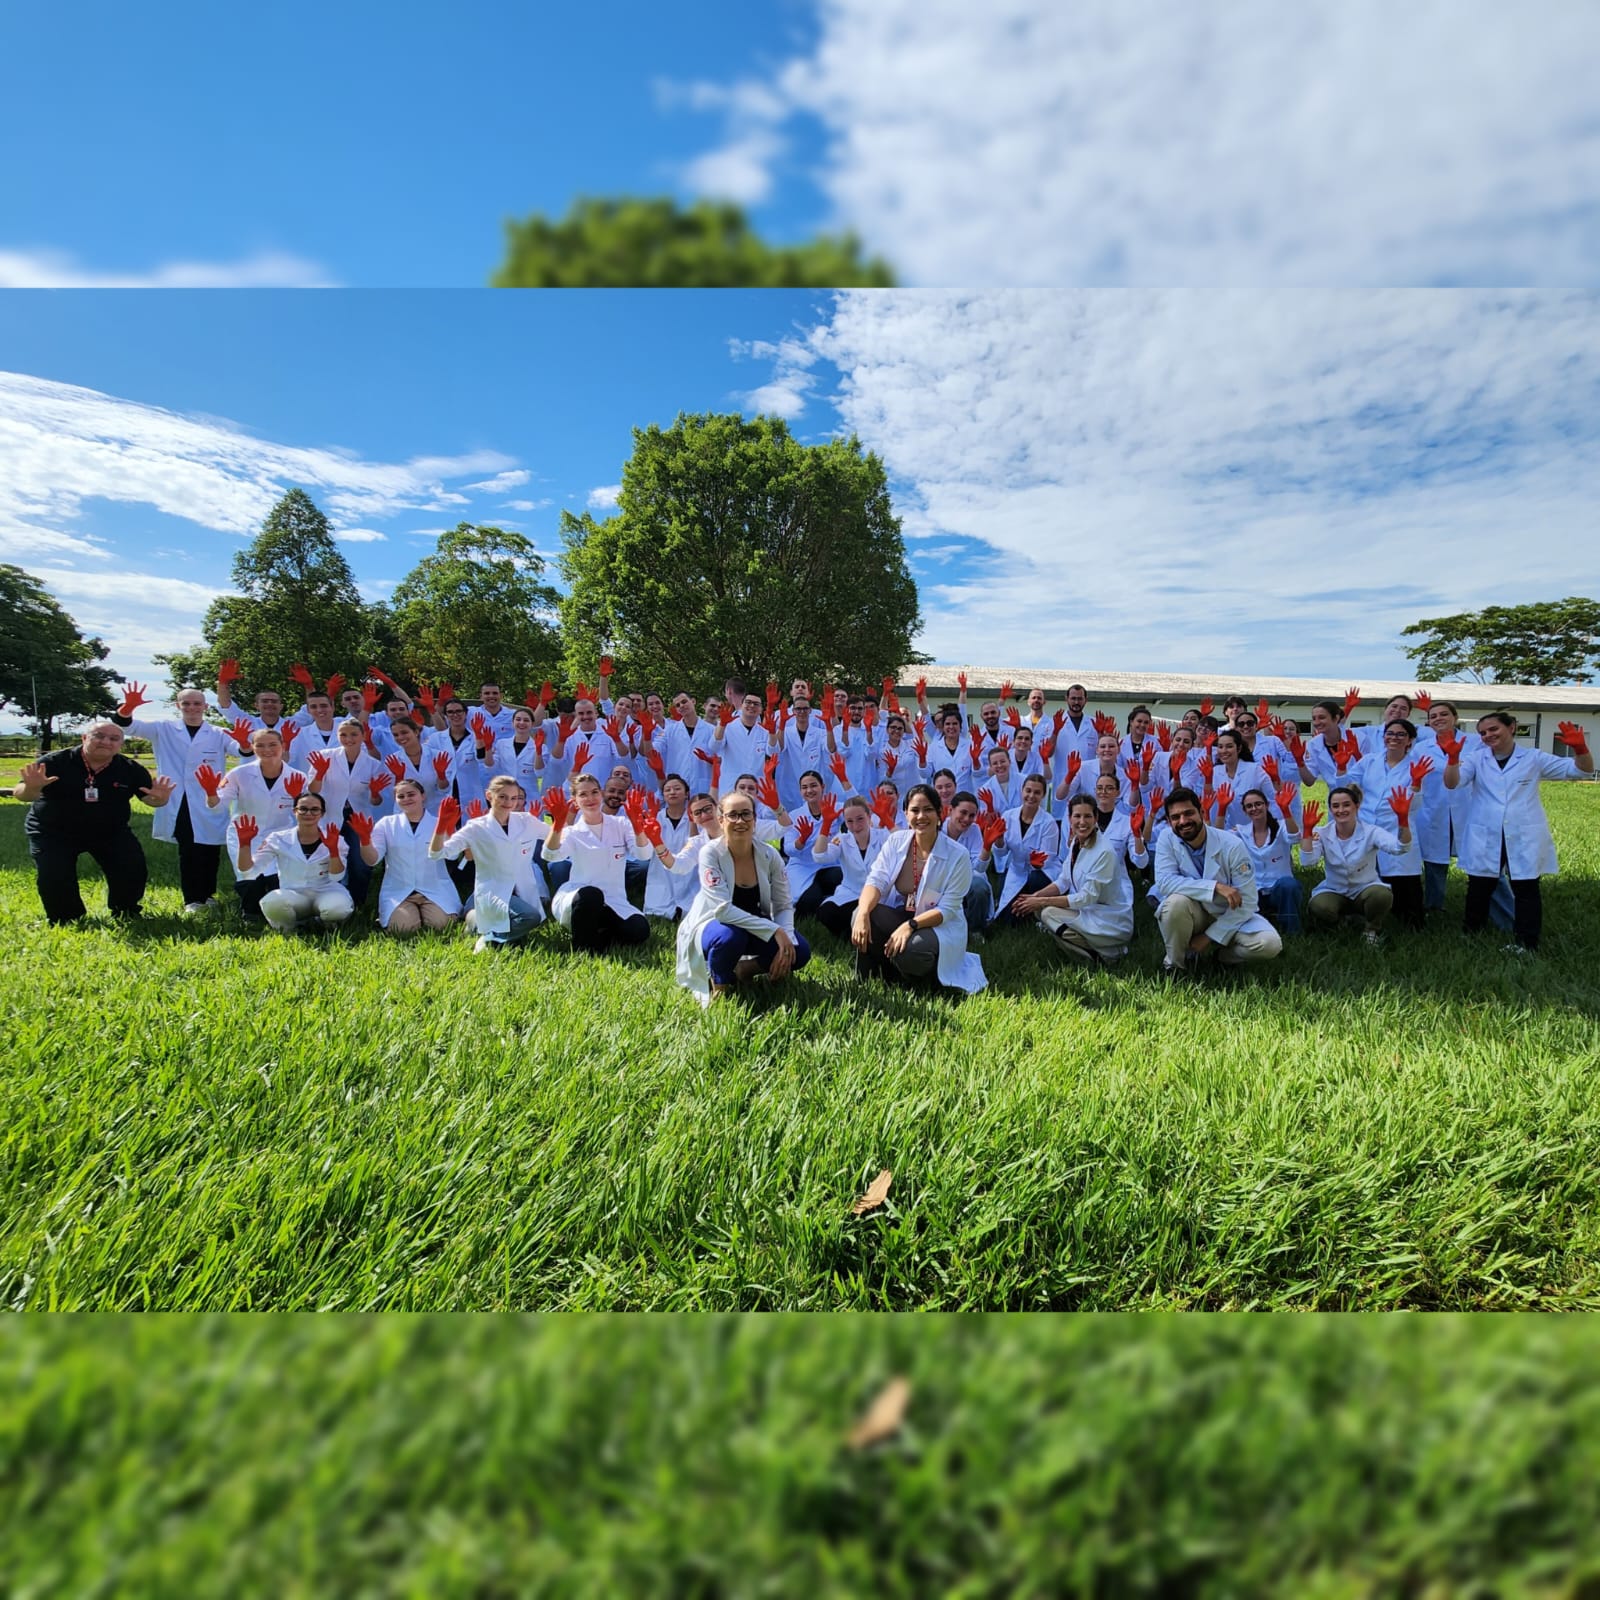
pixel 961 678
pixel 651 829
pixel 1157 796
pixel 425 699
pixel 417 717
pixel 607 667
pixel 1208 803
pixel 580 757
pixel 1013 717
pixel 1347 752
pixel 774 694
pixel 1352 698
pixel 1047 749
pixel 333 687
pixel 228 671
pixel 1074 767
pixel 716 774
pixel 476 809
pixel 1263 711
pixel 657 765
pixel 1310 818
pixel 725 714
pixel 208 778
pixel 919 743
pixel 294 785
pixel 376 786
pixel 1207 706
pixel 1224 800
pixel 330 837
pixel 241 731
pixel 530 698
pixel 132 700
pixel 547 692
pixel 1285 798
pixel 1207 766
pixel 1104 724
pixel 487 741
pixel 1297 748
pixel 538 742
pixel 447 691
pixel 704 755
pixel 441 766
pixel 830 811
pixel 301 674
pixel 922 690
pixel 885 810
pixel 245 828
pixel 767 793
pixel 288 732
pixel 1147 758
pixel 566 723
pixel 1573 737
pixel 1400 804
pixel 1037 858
pixel 803 830
pixel 361 826
pixel 396 764
pixel 1452 746
pixel 448 817
pixel 1422 701
pixel 558 807
pixel 1420 770
pixel 1136 821
pixel 1005 692
pixel 647 726
pixel 479 726
pixel 371 694
pixel 1134 773
pixel 317 760
pixel 975 747
pixel 890 762
pixel 836 764
pixel 991 828
pixel 613 726
pixel 1164 735
pixel 383 677
pixel 769 766
pixel 1269 765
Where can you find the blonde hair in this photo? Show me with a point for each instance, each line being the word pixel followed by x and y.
pixel 499 785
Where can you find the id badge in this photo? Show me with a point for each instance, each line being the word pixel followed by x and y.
pixel 91 793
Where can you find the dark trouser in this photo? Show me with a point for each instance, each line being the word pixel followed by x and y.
pixel 1037 880
pixel 252 891
pixel 1407 909
pixel 1527 919
pixel 837 919
pixel 197 863
pixel 818 890
pixel 463 874
pixel 357 874
pixel 919 958
pixel 726 946
pixel 55 865
pixel 595 926
pixel 635 874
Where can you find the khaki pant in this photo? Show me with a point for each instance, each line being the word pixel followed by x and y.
pixel 417 911
pixel 287 909
pixel 1063 926
pixel 1372 905
pixel 1181 917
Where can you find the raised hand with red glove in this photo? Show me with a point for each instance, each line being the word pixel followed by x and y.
pixel 1013 717
pixel 376 786
pixel 209 779
pixel 1422 701
pixel 1400 804
pixel 840 770
pixel 1037 858
pixel 1136 819
pixel 1207 706
pixel 361 827
pixel 1420 770
pixel 1269 765
pixel 830 811
pixel 1224 800
pixel 886 810
pixel 1452 745
pixel 975 748
pixel 1263 711
pixel 1310 818
pixel 246 828
pixel 1347 752
pixel 294 785
pixel 242 733
pixel 1005 692
pixel 426 700
pixel 1157 796
pixel 1147 758
pixel 441 768
pixel 725 715
pixel 1285 797
pixel 581 757
pixel 1134 773
pixel 615 729
pixel 476 809
pixel 448 817
pixel 1352 698
pixel 1164 735
pixel 1207 767
pixel 890 762
pixel 919 743
pixel 991 829
pixel 228 671
pixel 396 763
pixel 558 808
pixel 1573 737
pixel 803 830
pixel 333 687
pixel 132 699
pixel 371 694
pixel 1297 748
pixel 318 761
pixel 301 674
pixel 1104 723
pixel 767 793
pixel 330 837
pixel 1074 767
pixel 656 764
pixel 288 732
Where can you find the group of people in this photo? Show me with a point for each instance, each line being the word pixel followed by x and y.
pixel 910 831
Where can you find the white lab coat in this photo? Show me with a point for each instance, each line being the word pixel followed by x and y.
pixel 667 891
pixel 177 755
pixel 1378 780
pixel 1348 865
pixel 409 867
pixel 280 853
pixel 346 785
pixel 803 865
pixel 598 856
pixel 946 877
pixel 743 750
pixel 1506 810
pixel 504 861
pixel 713 902
pixel 1273 860
pixel 247 793
pixel 853 861
pixel 1017 844
pixel 1226 861
pixel 1097 888
pixel 801 753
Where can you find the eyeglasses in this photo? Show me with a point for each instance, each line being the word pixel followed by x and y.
pixel 308 811
pixel 738 816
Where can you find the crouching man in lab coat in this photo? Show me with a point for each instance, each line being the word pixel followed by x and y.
pixel 1206 890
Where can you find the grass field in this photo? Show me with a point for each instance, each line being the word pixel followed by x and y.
pixel 195 1119
pixel 1330 1458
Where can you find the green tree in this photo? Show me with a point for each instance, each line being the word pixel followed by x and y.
pixel 1547 641
pixel 297 602
pixel 616 244
pixel 736 548
pixel 48 669
pixel 477 610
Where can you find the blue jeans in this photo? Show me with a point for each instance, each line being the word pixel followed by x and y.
pixel 725 946
pixel 525 917
pixel 357 874
pixel 1501 905
pixel 1280 902
pixel 979 902
pixel 556 873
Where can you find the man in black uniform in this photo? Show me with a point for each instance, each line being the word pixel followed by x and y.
pixel 81 800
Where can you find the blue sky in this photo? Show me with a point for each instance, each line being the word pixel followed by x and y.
pixel 1258 482
pixel 1108 142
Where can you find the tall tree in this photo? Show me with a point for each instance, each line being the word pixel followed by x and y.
pixel 478 610
pixel 48 669
pixel 736 548
pixel 297 602
pixel 1546 641
pixel 605 244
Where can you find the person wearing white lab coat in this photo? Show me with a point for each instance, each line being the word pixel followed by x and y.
pixel 507 887
pixel 741 923
pixel 520 754
pixel 852 849
pixel 416 891
pixel 180 748
pixel 1086 904
pixel 1349 850
pixel 1206 889
pixel 1002 790
pixel 351 776
pixel 1030 831
pixel 804 749
pixel 910 919
pixel 1445 830
pixel 1270 842
pixel 592 905
pixel 1507 829
pixel 301 864
pixel 1389 769
pixel 265 790
pixel 810 880
pixel 667 893
pixel 742 743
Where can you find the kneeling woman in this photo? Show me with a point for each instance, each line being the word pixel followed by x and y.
pixel 592 905
pixel 742 920
pixel 507 886
pixel 416 891
pixel 1088 907
pixel 301 863
pixel 852 852
pixel 910 920
pixel 1349 850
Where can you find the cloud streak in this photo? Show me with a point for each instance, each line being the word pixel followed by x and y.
pixel 58 269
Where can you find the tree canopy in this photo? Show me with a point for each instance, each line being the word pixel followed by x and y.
pixel 478 611
pixel 297 602
pixel 735 548
pixel 48 668
pixel 1546 641
pixel 656 244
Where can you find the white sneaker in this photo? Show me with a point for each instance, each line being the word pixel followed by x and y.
pixel 1517 950
pixel 197 908
pixel 485 943
pixel 470 921
pixel 1372 936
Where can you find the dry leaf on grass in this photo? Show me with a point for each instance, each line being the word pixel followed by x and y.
pixel 883 1417
pixel 877 1193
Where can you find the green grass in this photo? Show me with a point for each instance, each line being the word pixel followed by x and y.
pixel 1331 1458
pixel 234 1120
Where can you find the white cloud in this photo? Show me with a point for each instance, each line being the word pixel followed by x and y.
pixel 528 505
pixel 742 167
pixel 605 497
pixel 1446 141
pixel 502 481
pixel 360 536
pixel 786 394
pixel 56 269
pixel 1215 480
